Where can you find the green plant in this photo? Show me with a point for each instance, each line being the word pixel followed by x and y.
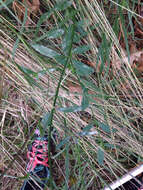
pixel 73 68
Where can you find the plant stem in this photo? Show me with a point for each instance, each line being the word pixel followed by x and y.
pixel 69 54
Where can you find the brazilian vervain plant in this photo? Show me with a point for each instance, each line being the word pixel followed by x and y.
pixel 74 72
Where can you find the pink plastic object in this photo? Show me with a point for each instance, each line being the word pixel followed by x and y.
pixel 38 155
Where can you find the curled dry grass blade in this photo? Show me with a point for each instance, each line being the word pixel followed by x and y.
pixel 105 139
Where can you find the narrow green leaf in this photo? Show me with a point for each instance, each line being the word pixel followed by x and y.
pixel 82 69
pixel 63 142
pixel 74 108
pixel 54 33
pixel 21 31
pixel 81 49
pixel 28 71
pixel 86 131
pixel 29 79
pixel 70 109
pixel 90 133
pixel 103 55
pixel 125 33
pixel 100 156
pixel 85 100
pixel 42 18
pixel 88 127
pixel 61 59
pixel 108 145
pixel 62 5
pixel 68 39
pixel 67 172
pixel 116 26
pixel 77 38
pixel 36 74
pixel 4 3
pixel 104 127
pixel 91 85
pixel 45 51
pixel 46 120
pixel 80 28
pixel 130 16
